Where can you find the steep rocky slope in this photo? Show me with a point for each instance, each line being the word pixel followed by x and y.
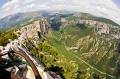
pixel 91 44
pixel 81 48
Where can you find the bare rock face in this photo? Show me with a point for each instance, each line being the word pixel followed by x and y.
pixel 33 31
pixel 100 27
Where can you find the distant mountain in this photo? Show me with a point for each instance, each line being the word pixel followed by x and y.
pixel 87 16
pixel 13 20
pixel 20 18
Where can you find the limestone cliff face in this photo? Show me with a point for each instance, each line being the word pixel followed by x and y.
pixel 33 31
pixel 100 27
pixel 93 44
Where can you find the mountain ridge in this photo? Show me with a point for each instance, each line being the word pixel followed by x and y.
pixel 91 54
pixel 16 19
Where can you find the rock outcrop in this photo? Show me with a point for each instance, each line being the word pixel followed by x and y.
pixel 100 27
pixel 33 31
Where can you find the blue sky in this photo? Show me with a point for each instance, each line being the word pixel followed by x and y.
pixel 117 3
pixel 2 2
pixel 106 8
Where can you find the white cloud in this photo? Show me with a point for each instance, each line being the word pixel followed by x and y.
pixel 105 8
